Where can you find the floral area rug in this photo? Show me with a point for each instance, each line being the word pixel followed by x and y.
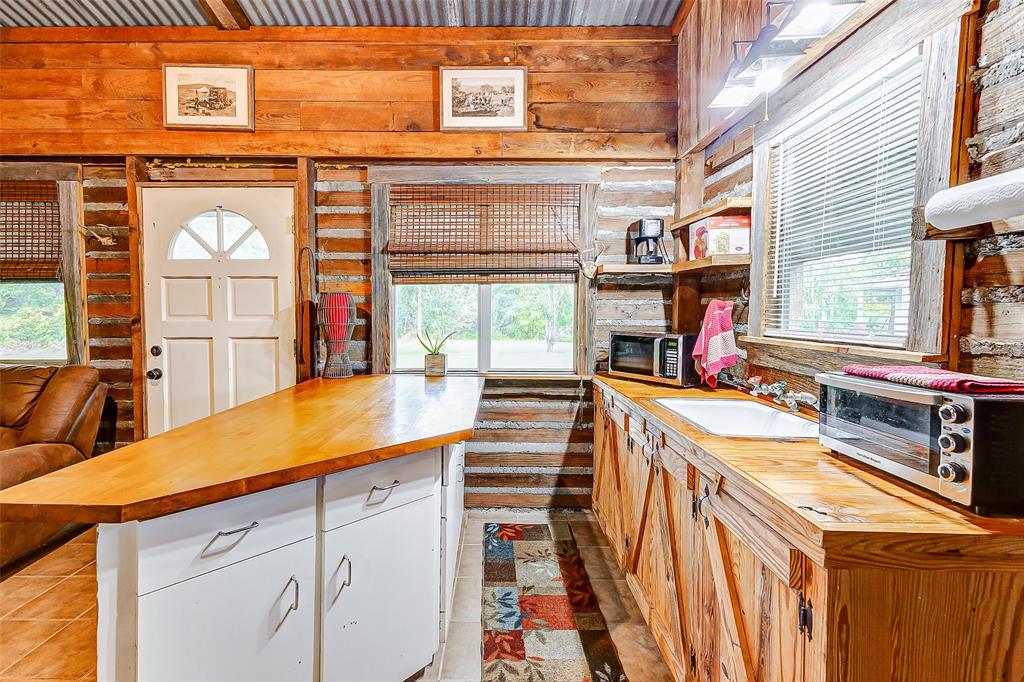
pixel 541 622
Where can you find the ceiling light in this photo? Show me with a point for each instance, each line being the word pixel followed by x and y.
pixel 816 19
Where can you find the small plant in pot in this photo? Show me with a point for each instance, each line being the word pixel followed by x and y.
pixel 435 363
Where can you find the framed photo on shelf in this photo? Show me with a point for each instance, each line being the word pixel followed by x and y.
pixel 206 96
pixel 483 98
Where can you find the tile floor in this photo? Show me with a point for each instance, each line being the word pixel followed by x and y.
pixel 48 610
pixel 48 616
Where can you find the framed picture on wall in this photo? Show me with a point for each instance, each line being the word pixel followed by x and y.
pixel 205 96
pixel 483 98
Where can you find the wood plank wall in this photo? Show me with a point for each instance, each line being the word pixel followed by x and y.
pixel 992 323
pixel 604 93
pixel 992 319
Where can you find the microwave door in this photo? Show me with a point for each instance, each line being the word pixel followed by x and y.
pixel 632 355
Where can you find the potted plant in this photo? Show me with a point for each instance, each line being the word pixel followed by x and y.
pixel 435 363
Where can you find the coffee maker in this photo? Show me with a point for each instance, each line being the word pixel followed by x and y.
pixel 645 235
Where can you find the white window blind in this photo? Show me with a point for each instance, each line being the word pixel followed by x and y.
pixel 842 194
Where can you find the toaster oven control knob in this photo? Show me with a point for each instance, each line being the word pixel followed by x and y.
pixel 952 472
pixel 954 414
pixel 953 442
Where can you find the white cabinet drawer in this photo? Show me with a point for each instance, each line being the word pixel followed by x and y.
pixel 183 545
pixel 358 493
pixel 253 621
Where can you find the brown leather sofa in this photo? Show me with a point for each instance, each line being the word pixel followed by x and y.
pixel 49 417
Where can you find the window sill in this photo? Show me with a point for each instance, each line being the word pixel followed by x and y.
pixel 855 351
pixel 536 376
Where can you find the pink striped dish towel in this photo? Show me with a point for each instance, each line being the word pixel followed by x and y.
pixel 937 379
pixel 716 345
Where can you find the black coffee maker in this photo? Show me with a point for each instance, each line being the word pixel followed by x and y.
pixel 645 235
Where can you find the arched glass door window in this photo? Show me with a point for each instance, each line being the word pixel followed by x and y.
pixel 220 233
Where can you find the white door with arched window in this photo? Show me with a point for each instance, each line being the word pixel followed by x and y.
pixel 218 299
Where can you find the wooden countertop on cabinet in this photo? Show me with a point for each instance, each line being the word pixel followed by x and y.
pixel 315 428
pixel 761 559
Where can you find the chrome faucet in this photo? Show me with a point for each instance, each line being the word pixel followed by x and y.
pixel 780 395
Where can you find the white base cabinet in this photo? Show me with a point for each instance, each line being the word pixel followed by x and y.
pixel 339 579
pixel 254 620
pixel 381 597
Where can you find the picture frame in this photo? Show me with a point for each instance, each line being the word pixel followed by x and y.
pixel 483 98
pixel 208 97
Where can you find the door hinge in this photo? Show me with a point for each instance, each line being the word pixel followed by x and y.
pixel 291 223
pixel 295 347
pixel 805 617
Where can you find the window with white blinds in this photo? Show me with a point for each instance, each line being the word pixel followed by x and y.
pixel 839 224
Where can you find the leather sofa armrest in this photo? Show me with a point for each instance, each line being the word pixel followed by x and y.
pixel 26 462
pixel 60 406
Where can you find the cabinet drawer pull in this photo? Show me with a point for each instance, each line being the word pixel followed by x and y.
pixel 295 597
pixel 225 533
pixel 347 582
pixel 382 488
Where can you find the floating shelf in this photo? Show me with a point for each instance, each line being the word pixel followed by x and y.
pixel 728 206
pixel 723 261
pixel 633 269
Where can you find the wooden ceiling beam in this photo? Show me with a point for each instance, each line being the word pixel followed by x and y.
pixel 680 18
pixel 225 14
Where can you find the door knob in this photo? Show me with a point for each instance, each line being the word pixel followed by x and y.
pixel 154 374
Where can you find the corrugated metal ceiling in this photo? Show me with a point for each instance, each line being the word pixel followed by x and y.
pixel 101 13
pixel 345 12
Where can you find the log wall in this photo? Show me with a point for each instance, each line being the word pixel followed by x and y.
pixel 991 334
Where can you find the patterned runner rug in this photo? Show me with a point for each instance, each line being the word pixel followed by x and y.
pixel 540 617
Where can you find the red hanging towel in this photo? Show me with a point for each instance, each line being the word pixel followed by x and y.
pixel 936 379
pixel 716 345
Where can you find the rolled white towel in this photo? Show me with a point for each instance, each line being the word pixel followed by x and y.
pixel 982 201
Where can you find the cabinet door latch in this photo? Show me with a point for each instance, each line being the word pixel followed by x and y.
pixel 805 617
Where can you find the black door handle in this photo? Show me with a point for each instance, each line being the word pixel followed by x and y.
pixel 154 374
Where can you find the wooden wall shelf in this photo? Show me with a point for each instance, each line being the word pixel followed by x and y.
pixel 714 262
pixel 727 206
pixel 633 269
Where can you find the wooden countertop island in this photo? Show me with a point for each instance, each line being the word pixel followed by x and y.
pixel 316 428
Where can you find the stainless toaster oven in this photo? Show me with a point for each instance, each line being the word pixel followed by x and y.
pixel 968 448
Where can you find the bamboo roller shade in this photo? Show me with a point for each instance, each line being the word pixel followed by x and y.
pixel 30 231
pixel 477 233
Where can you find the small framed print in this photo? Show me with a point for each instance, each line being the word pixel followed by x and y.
pixel 483 98
pixel 205 96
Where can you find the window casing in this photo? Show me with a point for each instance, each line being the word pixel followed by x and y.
pixel 840 205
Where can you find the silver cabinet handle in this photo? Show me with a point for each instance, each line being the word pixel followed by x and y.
pixel 347 582
pixel 225 533
pixel 295 597
pixel 382 488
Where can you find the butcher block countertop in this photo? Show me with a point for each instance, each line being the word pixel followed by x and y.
pixel 315 428
pixel 822 502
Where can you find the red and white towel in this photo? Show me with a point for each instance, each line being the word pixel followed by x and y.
pixel 936 379
pixel 716 345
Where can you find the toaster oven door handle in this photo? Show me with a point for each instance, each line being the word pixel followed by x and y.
pixel 885 389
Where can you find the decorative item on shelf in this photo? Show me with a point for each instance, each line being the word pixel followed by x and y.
pixel 645 235
pixel 720 235
pixel 483 98
pixel 208 97
pixel 435 363
pixel 336 319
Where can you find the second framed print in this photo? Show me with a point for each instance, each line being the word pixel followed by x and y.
pixel 205 96
pixel 483 98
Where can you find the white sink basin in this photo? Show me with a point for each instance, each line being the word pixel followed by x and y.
pixel 740 418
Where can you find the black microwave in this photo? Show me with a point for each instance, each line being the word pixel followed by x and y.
pixel 968 448
pixel 664 358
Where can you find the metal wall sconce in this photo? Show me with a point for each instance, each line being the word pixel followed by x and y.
pixel 777 47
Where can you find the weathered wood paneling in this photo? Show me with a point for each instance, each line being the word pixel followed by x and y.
pixel 992 319
pixel 72 91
